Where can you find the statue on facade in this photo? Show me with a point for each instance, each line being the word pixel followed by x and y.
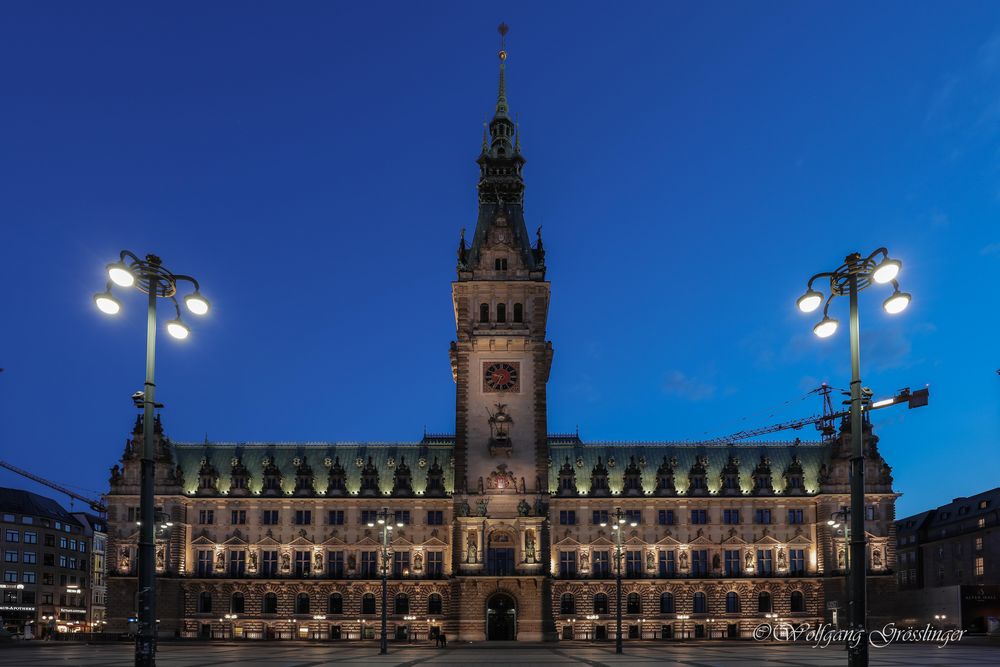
pixel 684 560
pixel 124 559
pixel 220 561
pixel 116 475
pixel 161 556
pixel 876 558
pixel 523 508
pixel 318 562
pixel 781 559
pixel 529 546
pixel 841 562
pixel 716 562
pixel 481 506
pixel 253 561
pixel 748 561
pixel 584 560
pixel 286 562
pixel 463 508
pixel 471 549
pixel 418 562
pixel 352 562
pixel 650 560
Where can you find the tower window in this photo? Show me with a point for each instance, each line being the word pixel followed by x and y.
pixel 518 312
pixel 484 312
pixel 501 312
pixel 500 263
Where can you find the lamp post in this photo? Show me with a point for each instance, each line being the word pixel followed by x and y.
pixel 618 519
pixel 383 519
pixel 855 274
pixel 152 278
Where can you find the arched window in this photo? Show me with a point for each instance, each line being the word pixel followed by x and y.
pixel 633 604
pixel 270 604
pixel 302 603
pixel 518 312
pixel 567 604
pixel 237 604
pixel 434 605
pixel 368 603
pixel 666 603
pixel 600 603
pixel 732 602
pixel 205 602
pixel 798 602
pixel 501 312
pixel 335 605
pixel 484 312
pixel 402 604
pixel 700 603
pixel 764 602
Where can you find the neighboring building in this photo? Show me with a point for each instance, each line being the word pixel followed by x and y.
pixel 949 563
pixel 46 563
pixel 96 529
pixel 501 534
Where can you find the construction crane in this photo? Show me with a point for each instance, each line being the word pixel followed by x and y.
pixel 824 423
pixel 94 504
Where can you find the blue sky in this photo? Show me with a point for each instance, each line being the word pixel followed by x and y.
pixel 312 164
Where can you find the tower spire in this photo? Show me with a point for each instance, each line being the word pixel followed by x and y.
pixel 502 92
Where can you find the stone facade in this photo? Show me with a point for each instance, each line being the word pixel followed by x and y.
pixel 499 533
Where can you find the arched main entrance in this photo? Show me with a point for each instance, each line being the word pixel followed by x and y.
pixel 501 618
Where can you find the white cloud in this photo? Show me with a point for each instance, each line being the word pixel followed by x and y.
pixel 689 388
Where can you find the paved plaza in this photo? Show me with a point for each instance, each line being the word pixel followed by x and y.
pixel 737 654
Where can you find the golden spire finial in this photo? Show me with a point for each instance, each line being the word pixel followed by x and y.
pixel 502 29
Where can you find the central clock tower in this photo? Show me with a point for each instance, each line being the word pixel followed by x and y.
pixel 500 359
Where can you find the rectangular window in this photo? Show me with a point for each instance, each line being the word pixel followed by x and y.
pixel 699 516
pixel 435 563
pixel 11 535
pixel 633 563
pixel 335 564
pixel 601 563
pixel 699 563
pixel 567 517
pixel 238 517
pixel 762 516
pixel 10 576
pixel 206 517
pixel 50 540
pixel 237 563
pixel 83 547
pixel 72 545
pixel 665 517
pixel 599 517
pixel 633 516
pixel 567 564
pixel 369 564
pixel 28 577
pixel 796 516
pixel 30 558
pixel 979 566
pixel 303 561
pixel 269 563
pixel 979 544
pixel 205 562
pixel 733 564
pixel 335 517
pixel 30 538
pixel 869 512
pixel 63 543
pixel 797 561
pixel 269 517
pixel 435 518
pixel 668 564
pixel 765 562
pixel 402 517
pixel 401 564
pixel 730 516
pixel 303 517
pixel 9 518
pixel 369 516
pixel 11 556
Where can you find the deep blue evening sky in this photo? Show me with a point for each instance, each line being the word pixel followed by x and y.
pixel 312 164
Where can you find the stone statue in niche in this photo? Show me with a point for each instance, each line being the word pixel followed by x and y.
pixel 418 561
pixel 781 559
pixel 286 562
pixel 876 558
pixel 529 546
pixel 124 559
pixel 716 562
pixel 841 562
pixel 352 562
pixel 253 561
pixel 116 475
pixel 318 562
pixel 650 560
pixel 161 556
pixel 748 561
pixel 220 561
pixel 463 508
pixel 523 508
pixel 481 506
pixel 471 552
pixel 584 560
pixel 684 560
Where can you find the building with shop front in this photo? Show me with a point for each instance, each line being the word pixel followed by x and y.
pixel 501 529
pixel 46 566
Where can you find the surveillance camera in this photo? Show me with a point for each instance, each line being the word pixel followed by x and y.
pixel 867 391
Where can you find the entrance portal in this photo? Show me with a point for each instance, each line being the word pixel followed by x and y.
pixel 501 618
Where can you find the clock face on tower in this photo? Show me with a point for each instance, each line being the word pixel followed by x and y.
pixel 501 376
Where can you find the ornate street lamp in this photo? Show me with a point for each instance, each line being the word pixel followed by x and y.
pixel 619 521
pixel 152 278
pixel 855 274
pixel 384 519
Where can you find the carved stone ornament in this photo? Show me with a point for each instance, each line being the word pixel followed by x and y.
pixel 501 479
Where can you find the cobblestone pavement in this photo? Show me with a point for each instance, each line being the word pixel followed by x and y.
pixel 736 654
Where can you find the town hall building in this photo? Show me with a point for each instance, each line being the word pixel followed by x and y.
pixel 502 530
